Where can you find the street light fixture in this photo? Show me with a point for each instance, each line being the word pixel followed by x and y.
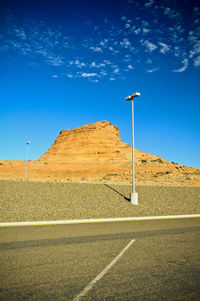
pixel 28 142
pixel 134 195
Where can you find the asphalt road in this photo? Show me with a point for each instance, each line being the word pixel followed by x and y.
pixel 59 262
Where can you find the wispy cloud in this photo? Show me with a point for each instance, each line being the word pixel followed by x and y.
pixel 89 74
pixel 110 54
pixel 149 3
pixel 149 45
pixel 96 49
pixel 152 70
pixel 194 40
pixel 125 43
pixel 164 47
pixel 130 67
pixel 171 13
pixel 185 66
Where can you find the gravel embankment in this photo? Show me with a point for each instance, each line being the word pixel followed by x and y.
pixel 31 201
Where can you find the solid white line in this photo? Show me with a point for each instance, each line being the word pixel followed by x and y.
pixel 100 275
pixel 95 220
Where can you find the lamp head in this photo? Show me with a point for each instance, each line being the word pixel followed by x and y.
pixel 128 98
pixel 28 142
pixel 136 94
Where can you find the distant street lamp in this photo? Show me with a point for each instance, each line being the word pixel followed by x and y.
pixel 134 195
pixel 28 142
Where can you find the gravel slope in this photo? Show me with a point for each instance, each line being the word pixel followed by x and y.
pixel 31 201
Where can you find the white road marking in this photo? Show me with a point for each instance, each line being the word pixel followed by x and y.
pixel 100 275
pixel 97 220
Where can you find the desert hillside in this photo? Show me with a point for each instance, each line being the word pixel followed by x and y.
pixel 95 153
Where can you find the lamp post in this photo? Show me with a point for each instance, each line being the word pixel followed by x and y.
pixel 134 195
pixel 28 142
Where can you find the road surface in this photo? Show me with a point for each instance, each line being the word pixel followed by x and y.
pixel 141 260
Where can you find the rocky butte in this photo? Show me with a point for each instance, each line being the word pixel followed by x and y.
pixel 95 152
pixel 99 141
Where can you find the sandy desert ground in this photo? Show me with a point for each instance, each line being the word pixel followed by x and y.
pixel 32 200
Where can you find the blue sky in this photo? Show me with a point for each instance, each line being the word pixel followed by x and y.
pixel 69 63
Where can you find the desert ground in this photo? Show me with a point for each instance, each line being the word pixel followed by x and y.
pixel 156 173
pixel 33 200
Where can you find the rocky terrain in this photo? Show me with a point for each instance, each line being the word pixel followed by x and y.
pixel 95 153
pixel 36 201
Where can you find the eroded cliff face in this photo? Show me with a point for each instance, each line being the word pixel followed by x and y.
pixel 99 140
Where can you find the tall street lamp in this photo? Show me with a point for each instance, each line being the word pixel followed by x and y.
pixel 28 142
pixel 134 195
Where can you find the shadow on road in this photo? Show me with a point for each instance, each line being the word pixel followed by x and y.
pixel 94 238
pixel 127 199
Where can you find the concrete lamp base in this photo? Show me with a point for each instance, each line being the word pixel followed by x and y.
pixel 134 198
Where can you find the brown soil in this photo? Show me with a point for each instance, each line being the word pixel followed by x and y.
pixel 29 201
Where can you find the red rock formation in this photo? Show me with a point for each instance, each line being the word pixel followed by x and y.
pixel 99 140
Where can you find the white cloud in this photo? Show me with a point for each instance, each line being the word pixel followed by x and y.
pixel 82 64
pixel 125 43
pixel 89 74
pixel 55 61
pixel 185 66
pixel 54 75
pixel 96 49
pixel 94 80
pixel 171 13
pixel 197 61
pixel 145 30
pixel 111 78
pixel 152 70
pixel 150 46
pixel 103 72
pixel 104 42
pixel 42 52
pixel 194 40
pixel 102 65
pixel 137 31
pixel 149 3
pixel 164 47
pixel 50 46
pixel 107 62
pixel 127 25
pixel 79 64
pixel 149 61
pixel 93 64
pixel 145 23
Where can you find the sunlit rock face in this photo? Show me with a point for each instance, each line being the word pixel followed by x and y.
pixel 99 140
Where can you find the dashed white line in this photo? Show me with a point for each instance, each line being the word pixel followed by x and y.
pixel 100 275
